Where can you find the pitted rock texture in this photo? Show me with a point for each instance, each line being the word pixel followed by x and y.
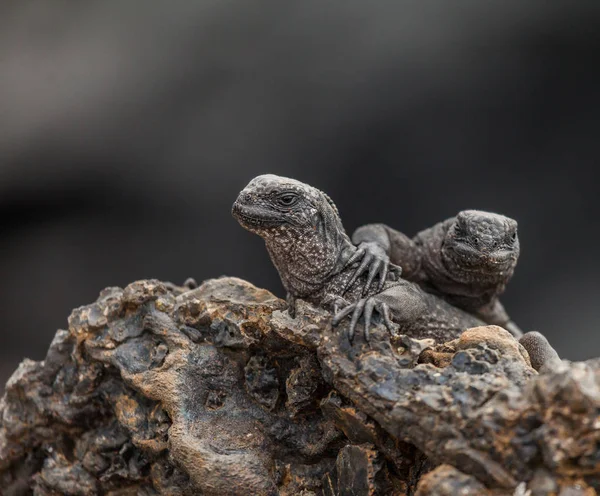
pixel 159 389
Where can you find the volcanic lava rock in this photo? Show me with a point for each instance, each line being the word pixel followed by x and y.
pixel 215 390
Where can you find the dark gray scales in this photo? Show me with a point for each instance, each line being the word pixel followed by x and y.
pixel 543 357
pixel 309 247
pixel 467 260
pixel 317 262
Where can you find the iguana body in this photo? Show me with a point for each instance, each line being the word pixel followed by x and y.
pixel 309 247
pixel 467 260
pixel 312 253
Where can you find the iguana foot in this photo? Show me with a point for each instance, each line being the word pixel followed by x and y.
pixel 364 308
pixel 375 260
pixel 543 357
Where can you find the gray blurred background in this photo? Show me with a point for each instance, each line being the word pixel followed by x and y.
pixel 128 128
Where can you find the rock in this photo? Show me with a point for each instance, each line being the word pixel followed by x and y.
pixel 358 470
pixel 302 386
pixel 361 429
pixel 445 480
pixel 215 390
pixel 494 337
pixel 487 413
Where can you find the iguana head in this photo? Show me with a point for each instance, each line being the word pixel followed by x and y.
pixel 300 225
pixel 270 204
pixel 481 242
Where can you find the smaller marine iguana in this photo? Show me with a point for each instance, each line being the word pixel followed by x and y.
pixel 467 260
pixel 311 251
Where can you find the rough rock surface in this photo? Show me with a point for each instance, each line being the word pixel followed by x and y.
pixel 157 389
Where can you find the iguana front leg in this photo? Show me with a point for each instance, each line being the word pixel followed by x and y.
pixel 379 246
pixel 403 303
pixel 365 308
pixel 373 252
pixel 417 313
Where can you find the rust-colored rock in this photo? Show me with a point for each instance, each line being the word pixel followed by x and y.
pixel 159 389
pixel 492 336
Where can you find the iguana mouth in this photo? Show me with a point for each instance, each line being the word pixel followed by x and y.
pixel 478 261
pixel 255 217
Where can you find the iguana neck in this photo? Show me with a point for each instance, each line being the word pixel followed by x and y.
pixel 307 260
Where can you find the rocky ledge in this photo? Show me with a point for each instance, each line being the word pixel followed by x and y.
pixel 158 389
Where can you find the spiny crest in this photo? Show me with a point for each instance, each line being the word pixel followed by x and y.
pixel 330 201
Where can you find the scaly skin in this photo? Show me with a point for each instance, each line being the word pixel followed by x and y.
pixel 467 260
pixel 311 251
pixel 317 262
pixel 543 357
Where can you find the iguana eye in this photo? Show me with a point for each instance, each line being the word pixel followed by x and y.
pixel 287 199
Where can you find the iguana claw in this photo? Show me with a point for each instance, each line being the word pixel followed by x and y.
pixel 291 301
pixel 364 308
pixel 375 260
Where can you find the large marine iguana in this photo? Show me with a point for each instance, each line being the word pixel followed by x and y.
pixel 316 261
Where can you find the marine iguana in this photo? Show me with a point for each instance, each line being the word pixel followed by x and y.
pixel 467 260
pixel 310 249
